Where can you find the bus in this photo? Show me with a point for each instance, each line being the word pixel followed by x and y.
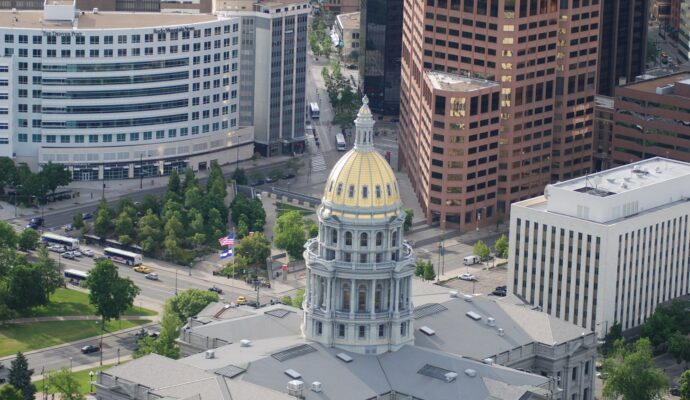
pixel 121 256
pixel 75 276
pixel 314 110
pixel 340 144
pixel 67 242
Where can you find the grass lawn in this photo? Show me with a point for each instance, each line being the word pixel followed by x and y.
pixel 67 302
pixel 26 337
pixel 282 208
pixel 81 376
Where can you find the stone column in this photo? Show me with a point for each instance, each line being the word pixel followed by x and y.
pixel 372 300
pixel 353 296
pixel 328 294
pixel 397 295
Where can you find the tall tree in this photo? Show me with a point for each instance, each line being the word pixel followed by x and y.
pixel 189 179
pixel 189 302
pixel 78 221
pixel 124 227
pixel 150 202
pixel 684 385
pixel 289 234
pixel 679 347
pixel 501 247
pixel 8 172
pixel 127 206
pixel 20 376
pixel 193 197
pixel 65 384
pixel 28 239
pixel 164 344
pixel 9 392
pixel 25 286
pixel 632 374
pixel 216 226
pixel 149 232
pixel 174 187
pixel 482 250
pixel 409 214
pixel 8 236
pixel 255 249
pixel 103 224
pixel 55 175
pixel 240 176
pixel 49 271
pixel 108 293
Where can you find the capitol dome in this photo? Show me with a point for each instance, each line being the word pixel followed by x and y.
pixel 362 183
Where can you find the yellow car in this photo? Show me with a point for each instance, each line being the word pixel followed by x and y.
pixel 241 300
pixel 143 269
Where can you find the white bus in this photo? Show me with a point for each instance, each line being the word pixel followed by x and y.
pixel 75 275
pixel 121 256
pixel 314 111
pixel 340 144
pixel 67 242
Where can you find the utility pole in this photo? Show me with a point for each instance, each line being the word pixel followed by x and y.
pixel 141 170
pixel 175 281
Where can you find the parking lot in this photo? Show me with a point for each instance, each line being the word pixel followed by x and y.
pixel 487 279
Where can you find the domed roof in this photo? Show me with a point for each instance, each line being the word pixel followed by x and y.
pixel 362 183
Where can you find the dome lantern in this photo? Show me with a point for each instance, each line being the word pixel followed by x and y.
pixel 364 128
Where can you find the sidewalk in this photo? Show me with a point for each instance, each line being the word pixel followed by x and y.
pixel 77 318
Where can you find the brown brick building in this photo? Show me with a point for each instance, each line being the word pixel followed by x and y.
pixel 652 119
pixel 540 58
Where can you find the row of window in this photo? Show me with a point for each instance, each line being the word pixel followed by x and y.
pixel 108 53
pixel 362 330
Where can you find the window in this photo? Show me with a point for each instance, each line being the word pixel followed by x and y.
pixel 379 238
pixel 362 331
pixel 394 239
pixel 362 298
pixel 346 297
pixel 363 240
pixel 319 328
pixel 365 192
pixel 351 191
pixel 382 330
pixel 348 238
pixel 341 330
pixel 79 139
pixel 403 329
pixel 334 236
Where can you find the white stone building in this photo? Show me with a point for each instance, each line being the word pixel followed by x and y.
pixel 604 248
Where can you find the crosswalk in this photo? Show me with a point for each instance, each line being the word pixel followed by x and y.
pixel 318 163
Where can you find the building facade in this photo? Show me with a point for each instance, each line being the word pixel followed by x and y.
pixel 115 96
pixel 381 24
pixel 340 6
pixel 543 57
pixel 347 28
pixel 605 248
pixel 684 30
pixel 623 43
pixel 273 74
pixel 359 268
pixel 603 131
pixel 652 119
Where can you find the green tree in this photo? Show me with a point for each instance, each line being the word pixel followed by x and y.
pixel 632 374
pixel 409 214
pixel 149 232
pixel 9 392
pixel 103 224
pixel 150 202
pixel 684 385
pixel 239 176
pixel 679 347
pixel 55 175
pixel 25 286
pixel 124 225
pixel 216 226
pixel 420 267
pixel 8 172
pixel 257 215
pixel 501 247
pixel 127 206
pixel 174 227
pixel 49 271
pixel 171 247
pixel 242 229
pixel 294 164
pixel 78 221
pixel 108 293
pixel 659 327
pixel 615 333
pixel 287 300
pixel 482 250
pixel 65 384
pixel 33 187
pixel 190 302
pixel 193 197
pixel 255 249
pixel 164 344
pixel 28 239
pixel 19 376
pixel 8 236
pixel 299 299
pixel 174 185
pixel 312 228
pixel 289 234
pixel 189 180
pixel 429 272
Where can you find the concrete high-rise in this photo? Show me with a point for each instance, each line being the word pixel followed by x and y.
pixel 523 117
pixel 623 43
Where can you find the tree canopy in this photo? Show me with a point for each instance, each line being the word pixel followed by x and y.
pixel 482 250
pixel 65 384
pixel 19 376
pixel 290 234
pixel 188 303
pixel 108 293
pixel 632 374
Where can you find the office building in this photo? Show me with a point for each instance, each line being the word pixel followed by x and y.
pixel 381 34
pixel 336 7
pixel 532 66
pixel 603 131
pixel 187 6
pixel 114 95
pixel 652 119
pixel 273 69
pixel 605 248
pixel 661 10
pixel 684 31
pixel 675 13
pixel 346 27
pixel 623 43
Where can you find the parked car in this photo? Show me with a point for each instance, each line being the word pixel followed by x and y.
pixel 77 253
pixel 241 300
pixel 467 277
pixel 87 252
pixel 499 293
pixel 142 269
pixel 56 248
pixel 86 216
pixel 69 228
pixel 252 303
pixel 152 276
pixel 35 223
pixel 289 175
pixel 351 66
pixel 216 289
pixel 258 182
pixel 471 260
pixel 68 255
pixel 90 348
pixel 675 390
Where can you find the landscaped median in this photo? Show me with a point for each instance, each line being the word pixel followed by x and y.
pixel 36 329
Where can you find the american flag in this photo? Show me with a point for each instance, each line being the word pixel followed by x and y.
pixel 227 253
pixel 228 240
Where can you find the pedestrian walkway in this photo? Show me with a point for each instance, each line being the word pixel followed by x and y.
pixel 29 320
pixel 318 163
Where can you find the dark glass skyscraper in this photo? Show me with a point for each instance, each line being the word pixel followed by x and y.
pixel 623 43
pixel 379 63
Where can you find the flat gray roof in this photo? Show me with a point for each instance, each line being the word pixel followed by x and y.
pixel 102 20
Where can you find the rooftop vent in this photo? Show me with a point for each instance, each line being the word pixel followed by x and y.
pixel 210 354
pixel 501 332
pixel 489 361
pixel 344 357
pixel 611 180
pixel 491 321
pixel 95 10
pixel 470 372
pixel 665 89
pixel 473 315
pixel 450 376
pixel 439 373
pixel 295 387
pixel 293 352
pixel 427 331
pixel 316 387
pixel 468 298
pixel 292 373
pixel 245 343
pixel 453 293
pixel 14 11
pixel 426 310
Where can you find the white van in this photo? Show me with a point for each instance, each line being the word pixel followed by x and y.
pixel 471 260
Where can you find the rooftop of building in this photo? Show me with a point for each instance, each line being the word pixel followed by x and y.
pixel 250 5
pixel 457 83
pixel 349 21
pixel 651 85
pixel 635 176
pixel 101 20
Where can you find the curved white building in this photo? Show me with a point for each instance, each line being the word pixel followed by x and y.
pixel 359 269
pixel 121 95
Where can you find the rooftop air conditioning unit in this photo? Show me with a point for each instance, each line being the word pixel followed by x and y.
pixel 427 331
pixel 210 354
pixel 245 343
pixel 491 321
pixel 501 332
pixel 470 372
pixel 450 376
pixel 14 11
pixel 316 387
pixel 468 298
pixel 453 293
pixel 344 357
pixel 489 361
pixel 95 10
pixel 292 374
pixel 295 387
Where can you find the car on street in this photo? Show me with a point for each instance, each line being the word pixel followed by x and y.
pixel 142 269
pixel 56 248
pixel 499 293
pixel 68 255
pixel 152 276
pixel 86 216
pixel 77 253
pixel 90 348
pixel 675 391
pixel 215 289
pixel 467 277
pixel 351 66
pixel 252 303
pixel 258 182
pixel 69 228
pixel 87 252
pixel 288 176
pixel 241 300
pixel 35 223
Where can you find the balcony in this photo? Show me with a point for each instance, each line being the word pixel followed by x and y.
pixel 363 316
pixel 311 254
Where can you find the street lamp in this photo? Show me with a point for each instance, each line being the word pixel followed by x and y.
pixel 141 170
pixel 237 158
pixel 190 268
pixel 70 363
pixel 91 375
